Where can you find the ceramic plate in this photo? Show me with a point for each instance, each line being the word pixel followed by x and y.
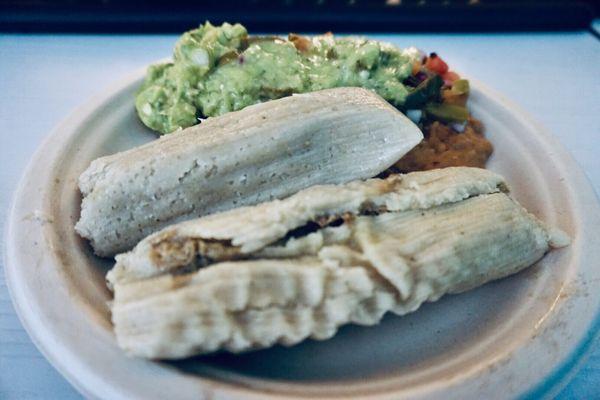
pixel 520 336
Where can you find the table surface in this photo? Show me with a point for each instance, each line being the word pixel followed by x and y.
pixel 44 77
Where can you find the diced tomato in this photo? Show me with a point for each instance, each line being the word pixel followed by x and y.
pixel 436 64
pixel 449 77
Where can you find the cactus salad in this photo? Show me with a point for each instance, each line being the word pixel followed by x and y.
pixel 219 69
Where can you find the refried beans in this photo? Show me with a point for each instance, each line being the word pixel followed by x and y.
pixel 443 146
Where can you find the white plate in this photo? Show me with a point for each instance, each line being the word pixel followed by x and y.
pixel 520 336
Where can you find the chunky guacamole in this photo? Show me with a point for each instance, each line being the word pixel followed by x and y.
pixel 217 69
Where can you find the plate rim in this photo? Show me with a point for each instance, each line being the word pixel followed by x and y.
pixel 559 376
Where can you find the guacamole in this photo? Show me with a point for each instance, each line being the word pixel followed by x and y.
pixel 218 69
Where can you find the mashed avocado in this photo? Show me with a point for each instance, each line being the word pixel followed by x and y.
pixel 218 69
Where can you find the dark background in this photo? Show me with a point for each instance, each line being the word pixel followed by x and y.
pixel 152 16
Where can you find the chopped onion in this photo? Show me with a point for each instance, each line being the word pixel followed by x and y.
pixel 200 57
pixel 413 53
pixel 147 109
pixel 459 126
pixel 414 115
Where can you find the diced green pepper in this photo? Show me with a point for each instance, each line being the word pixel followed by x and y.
pixel 460 86
pixel 447 112
pixel 427 90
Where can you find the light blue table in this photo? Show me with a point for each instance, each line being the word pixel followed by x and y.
pixel 556 77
